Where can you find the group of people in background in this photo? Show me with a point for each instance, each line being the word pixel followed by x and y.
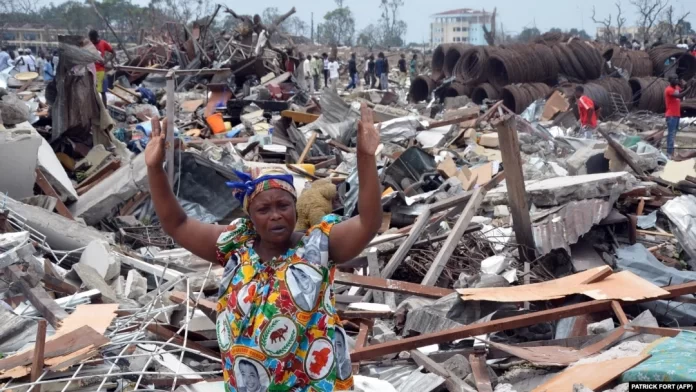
pixel 315 71
pixel 688 44
pixel 24 61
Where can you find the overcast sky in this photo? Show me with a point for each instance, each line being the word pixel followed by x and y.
pixel 514 14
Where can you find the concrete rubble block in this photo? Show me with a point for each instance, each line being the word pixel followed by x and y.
pixel 118 285
pixel 103 198
pixel 61 233
pixel 489 140
pixel 135 285
pixel 94 280
pixel 581 388
pixel 19 148
pixel 525 378
pixel 54 172
pixel 600 327
pixel 93 160
pixel 560 190
pixel 459 365
pixel 501 211
pixel 99 256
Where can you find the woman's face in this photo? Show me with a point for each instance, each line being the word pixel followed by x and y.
pixel 274 216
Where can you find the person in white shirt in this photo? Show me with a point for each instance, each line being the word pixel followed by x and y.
pixel 308 73
pixel 682 45
pixel 21 63
pixel 300 73
pixel 30 60
pixel 326 68
pixel 333 73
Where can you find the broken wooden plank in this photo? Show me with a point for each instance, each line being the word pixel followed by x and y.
pixel 39 347
pixel 59 285
pixel 599 276
pixel 621 153
pixel 618 311
pixel 209 308
pixel 38 297
pixel 508 323
pixel 659 331
pixel 452 382
pixel 48 190
pixel 98 176
pixel 450 244
pixel 514 179
pixel 165 333
pixel 391 285
pixel 592 375
pixel 480 372
pixel 299 117
pixel 65 344
pixel 308 147
pixel 360 341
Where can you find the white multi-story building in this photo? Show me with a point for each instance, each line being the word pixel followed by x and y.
pixel 459 26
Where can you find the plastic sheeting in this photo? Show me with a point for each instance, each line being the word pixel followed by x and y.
pixel 681 211
pixel 671 360
pixel 637 259
pixel 399 129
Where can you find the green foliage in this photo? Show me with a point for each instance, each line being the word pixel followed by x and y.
pixel 527 35
pixel 338 27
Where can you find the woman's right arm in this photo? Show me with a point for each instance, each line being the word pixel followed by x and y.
pixel 197 237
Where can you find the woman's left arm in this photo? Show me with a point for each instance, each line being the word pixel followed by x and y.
pixel 349 238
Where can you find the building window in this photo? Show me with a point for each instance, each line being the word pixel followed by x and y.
pixel 459 19
pixel 465 29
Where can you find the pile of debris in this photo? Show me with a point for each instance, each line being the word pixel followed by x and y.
pixel 512 255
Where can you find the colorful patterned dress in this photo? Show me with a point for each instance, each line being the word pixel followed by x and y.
pixel 277 327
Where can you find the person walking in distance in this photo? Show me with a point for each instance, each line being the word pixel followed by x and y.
pixel 371 71
pixel 402 71
pixel 352 72
pixel 587 111
pixel 381 71
pixel 326 68
pixel 307 68
pixel 333 73
pixel 317 70
pixel 103 47
pixel 413 69
pixel 673 96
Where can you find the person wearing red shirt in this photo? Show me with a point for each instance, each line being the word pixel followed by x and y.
pixel 103 47
pixel 587 111
pixel 673 96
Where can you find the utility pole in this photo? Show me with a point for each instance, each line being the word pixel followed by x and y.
pixel 312 32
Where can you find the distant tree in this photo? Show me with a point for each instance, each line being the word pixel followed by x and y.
pixel 579 33
pixel 528 35
pixel 297 26
pixel 555 30
pixel 370 36
pixel 648 11
pixel 338 27
pixel 394 29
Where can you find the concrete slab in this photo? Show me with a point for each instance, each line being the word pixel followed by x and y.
pixel 136 285
pixel 19 147
pixel 560 190
pixel 54 172
pixel 93 280
pixel 99 256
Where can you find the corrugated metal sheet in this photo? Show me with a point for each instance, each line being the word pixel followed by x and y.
pixel 560 227
pixel 419 382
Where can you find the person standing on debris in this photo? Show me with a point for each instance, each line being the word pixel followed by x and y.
pixel 290 63
pixel 55 60
pixel 307 68
pixel 326 68
pixel 4 59
pixel 257 309
pixel 20 63
pixel 352 72
pixel 300 73
pixel 402 71
pixel 381 72
pixel 103 47
pixel 371 71
pixel 47 69
pixel 413 68
pixel 588 115
pixel 30 60
pixel 635 45
pixel 333 72
pixel 366 72
pixel 673 96
pixel 317 71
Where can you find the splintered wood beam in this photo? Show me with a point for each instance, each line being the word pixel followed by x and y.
pixel 618 311
pixel 450 244
pixel 467 331
pixel 391 285
pixel 48 190
pixel 38 362
pixel 299 117
pixel 452 382
pixel 480 372
pixel 599 276
pixel 514 179
pixel 38 297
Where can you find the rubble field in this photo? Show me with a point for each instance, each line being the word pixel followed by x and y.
pixel 514 255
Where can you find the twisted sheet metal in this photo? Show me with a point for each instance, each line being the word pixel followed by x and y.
pixel 517 97
pixel 648 93
pixel 472 66
pixel 421 87
pixel 485 91
pixel 686 63
pixel 438 61
pixel 522 64
pixel 452 56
